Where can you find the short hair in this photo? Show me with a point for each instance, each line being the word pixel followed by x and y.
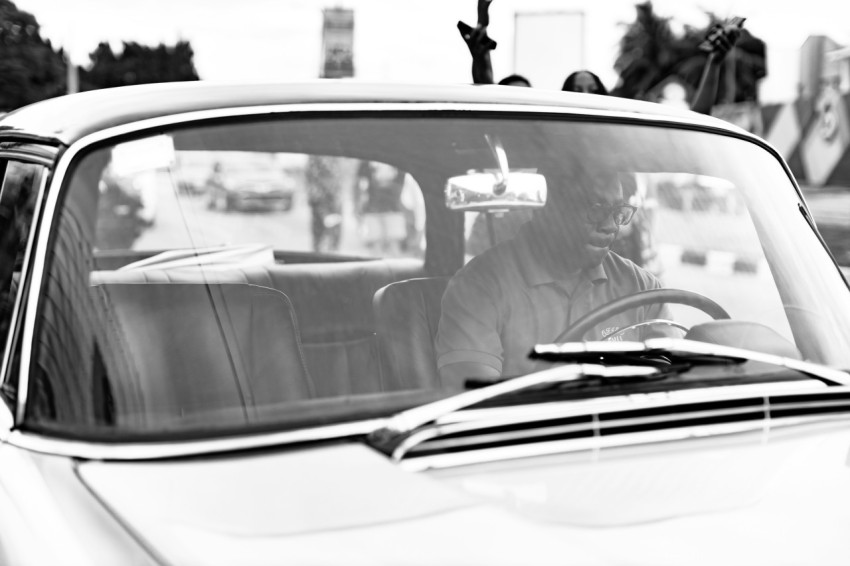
pixel 510 79
pixel 570 82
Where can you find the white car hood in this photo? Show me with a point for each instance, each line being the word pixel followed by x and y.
pixel 732 501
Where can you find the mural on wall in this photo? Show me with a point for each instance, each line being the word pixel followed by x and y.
pixel 813 131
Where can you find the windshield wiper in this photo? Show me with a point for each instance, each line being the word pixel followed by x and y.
pixel 678 355
pixel 401 425
pixel 654 358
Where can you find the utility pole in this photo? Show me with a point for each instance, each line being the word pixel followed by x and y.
pixel 73 75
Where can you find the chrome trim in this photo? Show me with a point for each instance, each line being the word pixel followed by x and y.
pixel 592 445
pixel 797 405
pixel 47 215
pixel 28 157
pixel 590 425
pixel 407 421
pixel 597 427
pixel 15 326
pixel 21 136
pixel 178 449
pixel 480 419
pixel 672 323
pixel 566 409
pixel 763 408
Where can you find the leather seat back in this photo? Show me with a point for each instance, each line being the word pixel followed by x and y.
pixel 407 315
pixel 194 348
pixel 332 303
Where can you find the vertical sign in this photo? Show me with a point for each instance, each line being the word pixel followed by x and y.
pixel 337 43
pixel 548 46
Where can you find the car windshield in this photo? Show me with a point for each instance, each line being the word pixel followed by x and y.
pixel 267 274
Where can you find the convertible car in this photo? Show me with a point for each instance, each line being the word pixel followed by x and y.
pixel 211 389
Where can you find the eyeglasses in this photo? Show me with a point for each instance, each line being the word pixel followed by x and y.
pixel 622 213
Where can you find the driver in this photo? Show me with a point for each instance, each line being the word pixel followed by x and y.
pixel 533 288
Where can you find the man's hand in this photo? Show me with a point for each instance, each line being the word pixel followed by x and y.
pixel 724 41
pixel 477 40
pixel 721 39
pixel 480 45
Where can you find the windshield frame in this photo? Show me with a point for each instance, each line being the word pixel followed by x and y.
pixel 46 224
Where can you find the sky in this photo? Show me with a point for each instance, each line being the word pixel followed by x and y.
pixel 413 40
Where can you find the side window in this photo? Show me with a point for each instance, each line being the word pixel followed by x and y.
pixel 296 205
pixel 18 190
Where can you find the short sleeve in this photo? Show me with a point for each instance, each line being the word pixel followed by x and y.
pixel 469 323
pixel 656 311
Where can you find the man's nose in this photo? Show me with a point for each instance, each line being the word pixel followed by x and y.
pixel 608 226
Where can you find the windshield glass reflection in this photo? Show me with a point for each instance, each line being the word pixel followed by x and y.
pixel 274 273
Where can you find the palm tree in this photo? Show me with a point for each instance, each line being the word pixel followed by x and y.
pixel 646 53
pixel 651 54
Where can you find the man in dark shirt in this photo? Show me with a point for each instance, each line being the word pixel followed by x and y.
pixel 531 289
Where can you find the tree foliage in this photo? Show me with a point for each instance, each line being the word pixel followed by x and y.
pixel 651 53
pixel 138 64
pixel 30 68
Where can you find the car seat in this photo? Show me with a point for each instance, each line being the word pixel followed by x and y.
pixel 194 348
pixel 407 314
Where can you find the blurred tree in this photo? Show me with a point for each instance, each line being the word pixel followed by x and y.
pixel 139 64
pixel 651 54
pixel 30 69
pixel 647 53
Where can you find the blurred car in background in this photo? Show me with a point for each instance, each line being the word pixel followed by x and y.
pixel 246 188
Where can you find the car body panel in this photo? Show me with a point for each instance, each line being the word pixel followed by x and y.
pixel 548 510
pixel 50 517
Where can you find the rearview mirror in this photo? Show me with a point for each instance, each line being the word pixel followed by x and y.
pixel 497 190
pixel 494 192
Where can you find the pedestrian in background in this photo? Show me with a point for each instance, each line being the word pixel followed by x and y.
pixel 719 42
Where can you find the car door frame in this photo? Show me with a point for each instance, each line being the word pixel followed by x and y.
pixel 44 156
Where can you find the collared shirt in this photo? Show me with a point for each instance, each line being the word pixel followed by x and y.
pixel 506 300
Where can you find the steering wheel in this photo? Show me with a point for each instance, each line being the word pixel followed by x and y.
pixel 652 297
